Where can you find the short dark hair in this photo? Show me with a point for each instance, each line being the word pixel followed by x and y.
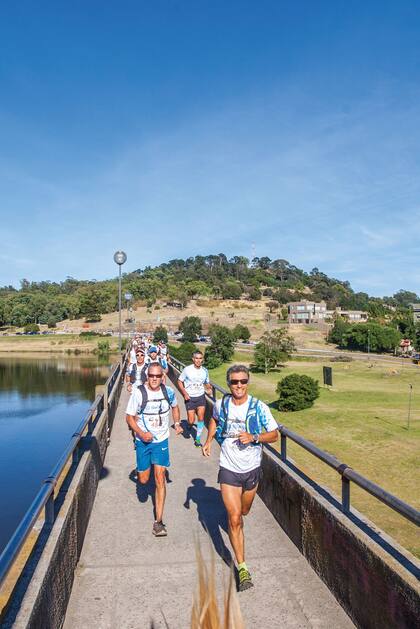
pixel 197 351
pixel 236 369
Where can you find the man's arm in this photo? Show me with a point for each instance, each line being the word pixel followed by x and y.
pixel 144 436
pixel 183 390
pixel 265 437
pixel 176 417
pixel 211 431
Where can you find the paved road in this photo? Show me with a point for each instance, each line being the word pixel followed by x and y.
pixel 128 579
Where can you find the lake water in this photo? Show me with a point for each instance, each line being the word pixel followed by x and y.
pixel 42 401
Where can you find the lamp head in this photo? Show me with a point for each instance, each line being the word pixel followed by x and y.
pixel 120 257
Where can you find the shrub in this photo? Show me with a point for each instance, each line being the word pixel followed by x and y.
pixel 52 322
pixel 160 334
pixel 191 328
pixel 103 347
pixel 222 344
pixel 211 359
pixel 31 327
pixel 297 392
pixel 343 358
pixel 183 352
pixel 241 332
pixel 124 343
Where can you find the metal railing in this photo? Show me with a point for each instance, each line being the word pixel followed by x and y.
pixel 347 474
pixel 45 496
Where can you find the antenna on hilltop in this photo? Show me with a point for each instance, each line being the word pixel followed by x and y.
pixel 253 251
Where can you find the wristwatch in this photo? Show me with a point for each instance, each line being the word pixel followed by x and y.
pixel 256 438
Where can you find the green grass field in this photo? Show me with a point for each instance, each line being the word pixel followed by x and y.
pixel 362 420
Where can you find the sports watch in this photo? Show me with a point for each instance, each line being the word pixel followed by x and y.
pixel 256 438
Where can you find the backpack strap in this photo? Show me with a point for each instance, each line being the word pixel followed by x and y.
pixel 133 373
pixel 144 398
pixel 164 390
pixel 223 416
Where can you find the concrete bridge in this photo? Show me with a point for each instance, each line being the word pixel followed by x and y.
pixel 100 567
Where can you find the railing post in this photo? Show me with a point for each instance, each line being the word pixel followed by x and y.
pixel 49 509
pixel 213 392
pixel 345 494
pixel 283 447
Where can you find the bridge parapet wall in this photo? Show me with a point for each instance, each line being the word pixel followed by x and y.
pixel 372 577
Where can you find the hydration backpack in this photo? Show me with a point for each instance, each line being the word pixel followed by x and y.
pixel 253 422
pixel 143 374
pixel 144 400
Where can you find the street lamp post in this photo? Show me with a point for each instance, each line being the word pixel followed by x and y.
pixel 119 258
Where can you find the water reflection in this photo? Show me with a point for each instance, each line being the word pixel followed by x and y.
pixel 42 400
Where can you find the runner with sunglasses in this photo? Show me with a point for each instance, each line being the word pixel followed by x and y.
pixel 238 423
pixel 148 415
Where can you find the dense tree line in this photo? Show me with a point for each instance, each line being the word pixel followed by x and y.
pixel 179 280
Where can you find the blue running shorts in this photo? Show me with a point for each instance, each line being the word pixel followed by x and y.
pixel 153 452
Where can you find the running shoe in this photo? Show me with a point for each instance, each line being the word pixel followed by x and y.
pixel 159 529
pixel 245 581
pixel 197 443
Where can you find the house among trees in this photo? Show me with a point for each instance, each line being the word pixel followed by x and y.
pixel 316 312
pixel 306 311
pixel 352 316
pixel 416 312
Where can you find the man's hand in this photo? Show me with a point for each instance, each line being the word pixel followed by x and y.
pixel 186 397
pixel 245 438
pixel 178 428
pixel 129 387
pixel 146 436
pixel 206 449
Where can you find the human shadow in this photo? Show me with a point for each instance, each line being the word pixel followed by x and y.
pixel 148 490
pixel 211 514
pixel 188 432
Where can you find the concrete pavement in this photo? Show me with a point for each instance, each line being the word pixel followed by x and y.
pixel 128 579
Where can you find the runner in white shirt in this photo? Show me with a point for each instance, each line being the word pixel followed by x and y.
pixel 238 423
pixel 148 416
pixel 193 383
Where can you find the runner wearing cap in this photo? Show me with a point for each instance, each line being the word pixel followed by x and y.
pixel 240 423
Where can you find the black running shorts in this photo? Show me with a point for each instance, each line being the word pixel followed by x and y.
pixel 246 480
pixel 195 402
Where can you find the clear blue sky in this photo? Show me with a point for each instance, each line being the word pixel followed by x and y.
pixel 188 127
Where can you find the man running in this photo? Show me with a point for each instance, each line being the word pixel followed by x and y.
pixel 148 413
pixel 238 423
pixel 136 372
pixel 193 382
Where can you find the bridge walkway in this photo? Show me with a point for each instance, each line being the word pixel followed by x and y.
pixel 128 579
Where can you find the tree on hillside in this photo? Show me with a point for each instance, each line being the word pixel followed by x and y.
pixel 273 348
pixel 221 348
pixel 241 332
pixel 191 328
pixel 272 306
pixel 231 290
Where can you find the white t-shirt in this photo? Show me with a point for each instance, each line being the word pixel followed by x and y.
pixel 156 415
pixel 139 370
pixel 194 380
pixel 234 455
pixel 133 357
pixel 163 350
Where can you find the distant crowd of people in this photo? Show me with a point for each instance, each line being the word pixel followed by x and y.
pixel 240 423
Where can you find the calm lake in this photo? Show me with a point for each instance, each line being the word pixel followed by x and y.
pixel 42 401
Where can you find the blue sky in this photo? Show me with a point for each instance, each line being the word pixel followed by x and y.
pixel 176 128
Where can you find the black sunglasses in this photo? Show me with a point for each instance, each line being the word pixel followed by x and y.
pixel 242 381
pixel 154 375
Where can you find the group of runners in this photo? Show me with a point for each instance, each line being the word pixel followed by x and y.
pixel 240 423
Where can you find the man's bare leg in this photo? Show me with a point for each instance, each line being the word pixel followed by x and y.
pixel 247 499
pixel 232 499
pixel 160 495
